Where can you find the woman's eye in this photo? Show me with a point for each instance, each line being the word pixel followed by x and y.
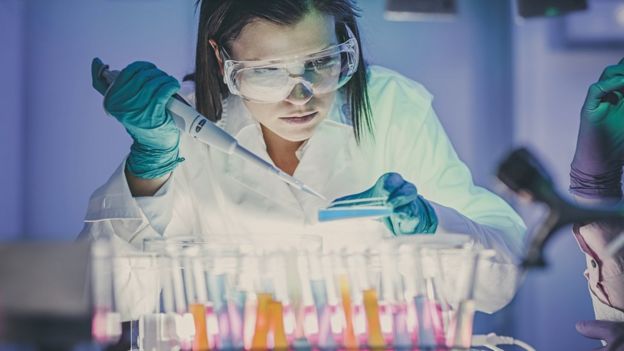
pixel 265 70
pixel 322 62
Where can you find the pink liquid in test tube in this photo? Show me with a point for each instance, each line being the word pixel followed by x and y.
pixel 310 324
pixel 437 319
pixel 236 324
pixel 386 320
pixel 359 324
pixel 401 334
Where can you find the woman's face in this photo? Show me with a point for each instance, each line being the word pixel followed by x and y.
pixel 294 118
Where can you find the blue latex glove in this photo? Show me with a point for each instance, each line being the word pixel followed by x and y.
pixel 599 157
pixel 137 98
pixel 611 332
pixel 413 217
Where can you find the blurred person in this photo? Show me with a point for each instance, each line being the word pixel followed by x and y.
pixel 595 178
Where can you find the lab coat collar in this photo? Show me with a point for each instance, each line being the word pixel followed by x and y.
pixel 321 157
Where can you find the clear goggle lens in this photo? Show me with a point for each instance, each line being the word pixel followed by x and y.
pixel 274 80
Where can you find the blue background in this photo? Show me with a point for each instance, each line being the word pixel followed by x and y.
pixel 499 81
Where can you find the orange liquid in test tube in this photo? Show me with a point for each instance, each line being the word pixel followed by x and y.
pixel 371 307
pixel 259 341
pixel 200 343
pixel 276 318
pixel 350 342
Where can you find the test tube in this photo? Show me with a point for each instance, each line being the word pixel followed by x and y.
pixel 262 327
pixel 276 321
pixel 349 339
pixel 461 326
pixel 183 295
pixel 106 322
pixel 155 330
pixel 306 326
pixel 319 293
pixel 329 261
pixel 394 306
pixel 360 271
pixel 280 312
pixel 241 316
pixel 428 306
pixel 217 292
pixel 195 284
pixel 181 291
pixel 278 263
pixel 405 268
pixel 246 282
pixel 262 334
pixel 356 267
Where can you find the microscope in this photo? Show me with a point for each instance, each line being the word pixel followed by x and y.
pixel 521 172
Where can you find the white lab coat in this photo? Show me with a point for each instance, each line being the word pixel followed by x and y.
pixel 212 193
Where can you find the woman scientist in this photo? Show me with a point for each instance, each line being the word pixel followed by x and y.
pixel 287 79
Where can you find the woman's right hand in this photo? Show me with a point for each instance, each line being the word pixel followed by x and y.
pixel 138 98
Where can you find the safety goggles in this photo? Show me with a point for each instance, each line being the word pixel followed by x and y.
pixel 270 81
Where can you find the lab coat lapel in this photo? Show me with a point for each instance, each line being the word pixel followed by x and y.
pixel 255 179
pixel 326 157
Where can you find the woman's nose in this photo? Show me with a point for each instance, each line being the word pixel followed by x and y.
pixel 300 94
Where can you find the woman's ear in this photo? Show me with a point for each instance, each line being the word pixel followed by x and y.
pixel 217 53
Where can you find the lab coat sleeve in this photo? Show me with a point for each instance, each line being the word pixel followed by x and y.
pixel 158 208
pixel 130 219
pixel 114 213
pixel 462 207
pixel 421 152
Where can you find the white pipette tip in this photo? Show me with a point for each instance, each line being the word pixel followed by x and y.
pixel 311 191
pixel 297 183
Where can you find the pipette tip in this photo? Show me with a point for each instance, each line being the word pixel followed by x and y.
pixel 310 191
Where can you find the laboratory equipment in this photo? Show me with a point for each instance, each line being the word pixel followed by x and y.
pixel 187 119
pixel 223 294
pixel 524 174
pixel 371 207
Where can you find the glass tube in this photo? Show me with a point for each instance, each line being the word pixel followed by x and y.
pixel 106 322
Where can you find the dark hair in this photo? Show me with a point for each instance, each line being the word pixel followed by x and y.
pixel 223 20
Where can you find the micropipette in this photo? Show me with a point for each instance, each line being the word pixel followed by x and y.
pixel 187 119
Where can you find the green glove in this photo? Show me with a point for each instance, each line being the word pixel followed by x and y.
pixel 415 216
pixel 137 98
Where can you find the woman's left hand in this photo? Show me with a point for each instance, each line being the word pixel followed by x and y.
pixel 411 213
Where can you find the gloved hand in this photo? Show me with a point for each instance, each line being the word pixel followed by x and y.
pixel 597 166
pixel 414 217
pixel 137 98
pixel 611 332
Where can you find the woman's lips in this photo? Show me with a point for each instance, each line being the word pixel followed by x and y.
pixel 299 119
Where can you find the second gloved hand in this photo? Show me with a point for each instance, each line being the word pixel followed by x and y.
pixel 137 99
pixel 599 157
pixel 416 216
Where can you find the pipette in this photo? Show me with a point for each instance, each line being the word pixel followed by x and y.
pixel 187 119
